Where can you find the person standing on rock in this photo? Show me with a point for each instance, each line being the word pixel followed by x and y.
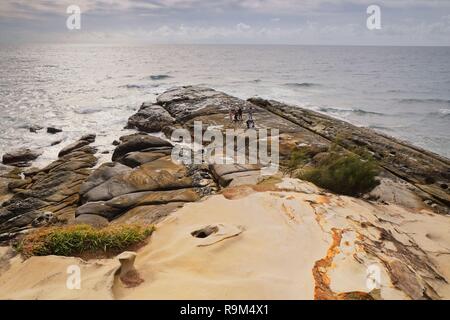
pixel 250 113
pixel 231 114
pixel 250 124
pixel 240 113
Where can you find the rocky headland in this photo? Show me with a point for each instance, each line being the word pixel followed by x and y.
pixel 225 231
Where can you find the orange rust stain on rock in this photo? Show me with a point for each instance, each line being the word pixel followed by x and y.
pixel 322 290
pixel 237 192
pixel 321 199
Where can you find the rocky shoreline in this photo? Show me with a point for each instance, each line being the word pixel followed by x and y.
pixel 402 224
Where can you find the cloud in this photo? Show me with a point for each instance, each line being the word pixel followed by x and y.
pixel 232 21
pixel 28 9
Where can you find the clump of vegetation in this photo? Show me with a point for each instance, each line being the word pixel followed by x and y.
pixel 298 158
pixel 77 240
pixel 344 173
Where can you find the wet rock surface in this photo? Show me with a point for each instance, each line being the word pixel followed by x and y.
pixel 20 157
pixel 44 196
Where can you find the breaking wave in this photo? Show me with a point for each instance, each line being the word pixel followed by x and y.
pixel 355 111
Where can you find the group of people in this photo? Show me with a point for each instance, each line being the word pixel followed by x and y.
pixel 236 115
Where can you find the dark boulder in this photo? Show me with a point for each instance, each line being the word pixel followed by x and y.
pixel 53 130
pixel 84 141
pixel 20 156
pixel 35 128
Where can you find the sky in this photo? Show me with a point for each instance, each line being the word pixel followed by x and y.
pixel 302 22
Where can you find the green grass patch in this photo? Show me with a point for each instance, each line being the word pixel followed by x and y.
pixel 347 174
pixel 77 240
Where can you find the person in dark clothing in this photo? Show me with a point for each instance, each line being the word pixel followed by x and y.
pixel 240 114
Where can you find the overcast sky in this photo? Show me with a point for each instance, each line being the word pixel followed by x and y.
pixel 327 22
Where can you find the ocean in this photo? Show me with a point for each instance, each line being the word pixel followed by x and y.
pixel 400 91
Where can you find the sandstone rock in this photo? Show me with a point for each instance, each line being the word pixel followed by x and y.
pixel 135 159
pixel 243 174
pixel 153 197
pixel 17 207
pixel 126 260
pixel 91 220
pixel 18 221
pixel 19 183
pixel 185 103
pixel 224 169
pixel 25 283
pixel 180 94
pixel 161 174
pixel 150 118
pixel 44 219
pixel 113 208
pixel 139 143
pixel 54 189
pixel 105 172
pixel 85 140
pixel 73 146
pixel 150 214
pixel 131 136
pixel 241 178
pixel 20 156
pixel 98 208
